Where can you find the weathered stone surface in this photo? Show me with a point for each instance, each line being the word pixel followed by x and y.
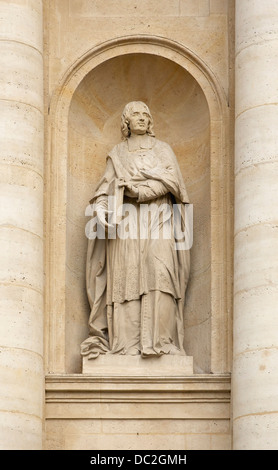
pixel 256 227
pixel 21 220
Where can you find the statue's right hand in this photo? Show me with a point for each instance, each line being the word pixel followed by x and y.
pixel 102 215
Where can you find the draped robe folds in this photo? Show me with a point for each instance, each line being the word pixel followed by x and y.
pixel 136 286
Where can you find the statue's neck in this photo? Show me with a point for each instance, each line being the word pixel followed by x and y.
pixel 138 137
pixel 137 141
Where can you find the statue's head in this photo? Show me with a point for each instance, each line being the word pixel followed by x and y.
pixel 129 113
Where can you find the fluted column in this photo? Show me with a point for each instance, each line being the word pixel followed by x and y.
pixel 21 224
pixel 255 373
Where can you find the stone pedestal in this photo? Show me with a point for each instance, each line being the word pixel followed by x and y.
pixel 122 366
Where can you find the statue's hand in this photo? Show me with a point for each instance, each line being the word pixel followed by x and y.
pixel 102 215
pixel 130 189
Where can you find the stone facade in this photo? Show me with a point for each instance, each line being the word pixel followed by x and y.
pixel 207 68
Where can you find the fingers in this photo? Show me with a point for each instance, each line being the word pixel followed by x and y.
pixel 104 222
pixel 101 215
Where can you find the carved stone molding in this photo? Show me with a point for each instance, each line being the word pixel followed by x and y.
pixel 82 389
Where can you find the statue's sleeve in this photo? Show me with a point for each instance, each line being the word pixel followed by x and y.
pixel 168 174
pixel 102 190
pixel 151 189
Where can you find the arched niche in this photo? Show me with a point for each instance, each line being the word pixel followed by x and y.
pixel 181 118
pixel 188 114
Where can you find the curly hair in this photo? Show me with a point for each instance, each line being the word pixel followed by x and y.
pixel 125 119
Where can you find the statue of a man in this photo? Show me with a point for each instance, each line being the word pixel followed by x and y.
pixel 136 284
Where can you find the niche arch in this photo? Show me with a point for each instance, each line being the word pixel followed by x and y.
pixel 190 113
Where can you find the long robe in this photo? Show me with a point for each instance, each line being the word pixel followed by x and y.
pixel 136 285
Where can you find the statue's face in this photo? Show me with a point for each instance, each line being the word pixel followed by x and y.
pixel 139 119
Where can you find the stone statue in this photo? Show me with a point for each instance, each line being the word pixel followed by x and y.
pixel 136 281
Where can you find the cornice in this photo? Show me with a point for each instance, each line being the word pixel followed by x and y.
pixel 81 388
